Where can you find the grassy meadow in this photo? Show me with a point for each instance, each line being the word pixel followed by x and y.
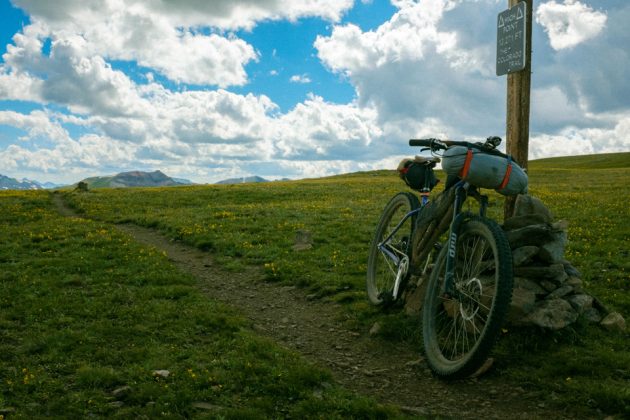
pixel 88 318
pixel 77 356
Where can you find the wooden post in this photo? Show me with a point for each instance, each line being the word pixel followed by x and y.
pixel 518 92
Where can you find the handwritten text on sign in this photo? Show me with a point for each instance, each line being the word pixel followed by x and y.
pixel 511 39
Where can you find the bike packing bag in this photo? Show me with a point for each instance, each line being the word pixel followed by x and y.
pixel 417 173
pixel 485 170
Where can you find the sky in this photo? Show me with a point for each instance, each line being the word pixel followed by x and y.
pixel 209 90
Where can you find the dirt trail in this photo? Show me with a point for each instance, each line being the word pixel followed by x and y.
pixel 393 374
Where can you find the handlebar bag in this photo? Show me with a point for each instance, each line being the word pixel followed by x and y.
pixel 485 170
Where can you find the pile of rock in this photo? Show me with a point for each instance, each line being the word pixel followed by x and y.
pixel 548 290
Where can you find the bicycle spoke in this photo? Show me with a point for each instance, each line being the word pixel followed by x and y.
pixel 460 330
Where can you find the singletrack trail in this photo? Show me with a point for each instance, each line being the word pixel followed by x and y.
pixel 392 373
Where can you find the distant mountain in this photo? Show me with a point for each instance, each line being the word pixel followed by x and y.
pixel 134 179
pixel 7 183
pixel 183 181
pixel 48 185
pixel 243 180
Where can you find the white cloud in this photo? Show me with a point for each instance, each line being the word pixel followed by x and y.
pixel 37 125
pixel 319 130
pixel 427 71
pixel 550 107
pixel 173 38
pixel 300 78
pixel 224 14
pixel 19 86
pixel 409 35
pixel 570 23
pixel 411 67
pixel 582 141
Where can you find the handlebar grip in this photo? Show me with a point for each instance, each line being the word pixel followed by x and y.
pixel 421 142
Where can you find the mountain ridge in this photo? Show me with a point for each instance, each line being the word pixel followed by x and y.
pixel 134 179
pixel 7 183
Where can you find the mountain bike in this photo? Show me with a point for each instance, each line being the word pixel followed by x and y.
pixel 470 281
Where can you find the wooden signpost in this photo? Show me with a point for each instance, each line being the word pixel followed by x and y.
pixel 514 53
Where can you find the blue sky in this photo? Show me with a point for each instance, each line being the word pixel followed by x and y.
pixel 300 88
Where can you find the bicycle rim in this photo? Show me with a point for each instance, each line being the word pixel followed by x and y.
pixel 459 331
pixel 382 271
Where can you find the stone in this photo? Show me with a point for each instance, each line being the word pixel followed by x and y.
pixel 570 270
pixel 207 406
pixel 522 221
pixel 162 373
pixel 553 314
pixel 553 252
pixel 529 235
pixel 122 391
pixel 524 283
pixel 614 322
pixel 376 329
pixel 580 302
pixel 560 226
pixel 592 315
pixel 526 204
pixel 523 255
pixel 303 240
pixel 523 302
pixel 82 186
pixel 575 282
pixel 560 292
pixel 553 272
pixel 548 285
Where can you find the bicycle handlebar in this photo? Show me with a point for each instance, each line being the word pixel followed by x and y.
pixel 433 144
pixel 437 144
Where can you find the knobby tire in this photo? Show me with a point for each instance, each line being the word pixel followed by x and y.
pixel 381 272
pixel 459 332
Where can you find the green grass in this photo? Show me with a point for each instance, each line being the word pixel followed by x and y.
pixel 85 311
pixel 601 161
pixel 582 368
pixel 256 224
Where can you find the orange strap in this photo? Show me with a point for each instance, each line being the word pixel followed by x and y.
pixel 506 178
pixel 464 172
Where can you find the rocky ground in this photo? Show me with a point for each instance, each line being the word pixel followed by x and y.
pixel 391 373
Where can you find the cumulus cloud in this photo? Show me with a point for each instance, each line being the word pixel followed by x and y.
pixel 570 23
pixel 300 78
pixel 412 67
pixel 427 71
pixel 318 130
pixel 579 141
pixel 224 14
pixel 37 124
pixel 19 86
pixel 408 36
pixel 173 38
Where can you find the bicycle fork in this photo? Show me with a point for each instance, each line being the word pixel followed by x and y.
pixel 401 262
pixel 449 289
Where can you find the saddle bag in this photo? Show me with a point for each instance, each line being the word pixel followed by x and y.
pixel 418 173
pixel 485 170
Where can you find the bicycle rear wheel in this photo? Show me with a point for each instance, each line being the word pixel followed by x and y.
pixel 382 270
pixel 460 330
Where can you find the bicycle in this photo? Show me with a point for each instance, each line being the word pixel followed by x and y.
pixel 470 282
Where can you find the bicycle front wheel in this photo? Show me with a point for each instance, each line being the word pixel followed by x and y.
pixel 382 270
pixel 460 330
